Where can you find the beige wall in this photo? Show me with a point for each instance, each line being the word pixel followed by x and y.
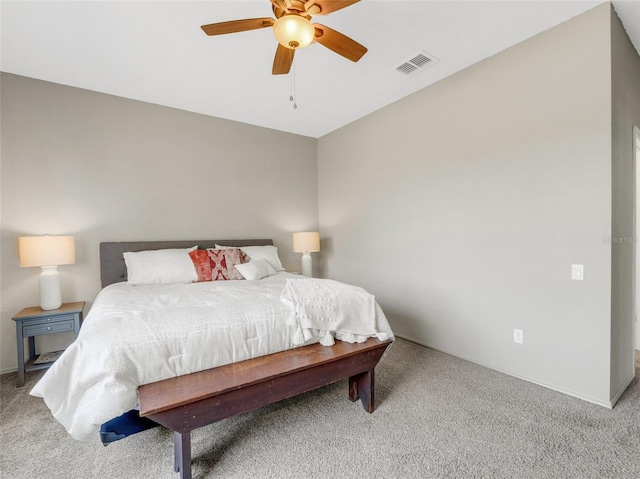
pixel 463 207
pixel 625 70
pixel 105 168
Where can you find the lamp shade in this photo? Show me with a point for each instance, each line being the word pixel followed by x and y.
pixel 306 242
pixel 294 31
pixel 46 250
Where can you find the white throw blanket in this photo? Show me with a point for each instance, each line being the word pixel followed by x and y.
pixel 328 309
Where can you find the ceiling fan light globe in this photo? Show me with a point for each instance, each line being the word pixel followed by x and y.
pixel 293 31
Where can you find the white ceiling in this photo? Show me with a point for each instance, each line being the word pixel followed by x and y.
pixel 156 52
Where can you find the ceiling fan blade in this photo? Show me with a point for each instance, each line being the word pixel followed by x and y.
pixel 328 6
pixel 339 43
pixel 234 26
pixel 283 60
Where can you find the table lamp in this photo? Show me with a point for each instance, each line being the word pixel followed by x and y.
pixel 48 252
pixel 305 243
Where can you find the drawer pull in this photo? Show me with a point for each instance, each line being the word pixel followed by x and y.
pixel 48 319
pixel 48 328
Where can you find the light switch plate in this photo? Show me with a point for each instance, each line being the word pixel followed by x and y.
pixel 577 272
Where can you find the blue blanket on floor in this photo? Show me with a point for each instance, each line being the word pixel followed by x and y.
pixel 126 425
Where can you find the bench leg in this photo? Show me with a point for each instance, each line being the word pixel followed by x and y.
pixel 361 386
pixel 182 454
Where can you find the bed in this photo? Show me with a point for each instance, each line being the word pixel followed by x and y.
pixel 179 360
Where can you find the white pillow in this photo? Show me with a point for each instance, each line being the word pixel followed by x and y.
pixel 257 269
pixel 268 253
pixel 162 266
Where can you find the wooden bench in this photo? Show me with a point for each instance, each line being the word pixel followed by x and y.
pixel 185 403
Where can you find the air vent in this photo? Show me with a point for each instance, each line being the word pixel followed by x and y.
pixel 416 63
pixel 407 68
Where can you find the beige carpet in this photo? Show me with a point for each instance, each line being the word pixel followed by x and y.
pixel 437 417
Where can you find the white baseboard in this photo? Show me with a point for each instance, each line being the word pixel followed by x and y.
pixel 621 391
pixel 600 402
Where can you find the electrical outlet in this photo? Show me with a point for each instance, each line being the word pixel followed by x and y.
pixel 518 336
pixel 577 272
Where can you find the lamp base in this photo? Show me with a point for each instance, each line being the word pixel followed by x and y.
pixel 307 268
pixel 50 297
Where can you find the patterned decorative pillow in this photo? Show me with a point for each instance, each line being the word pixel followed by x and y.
pixel 202 264
pixel 223 263
pixel 269 253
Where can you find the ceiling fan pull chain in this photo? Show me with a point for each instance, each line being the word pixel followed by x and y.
pixel 290 86
pixel 294 94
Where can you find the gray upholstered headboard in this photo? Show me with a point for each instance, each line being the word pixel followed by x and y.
pixel 114 270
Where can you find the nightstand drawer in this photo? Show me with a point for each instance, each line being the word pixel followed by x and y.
pixel 46 328
pixel 50 319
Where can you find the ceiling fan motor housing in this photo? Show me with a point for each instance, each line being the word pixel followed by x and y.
pixel 305 7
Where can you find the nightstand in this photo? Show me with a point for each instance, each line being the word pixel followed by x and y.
pixel 33 321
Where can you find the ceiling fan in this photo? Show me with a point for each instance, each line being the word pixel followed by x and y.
pixel 293 30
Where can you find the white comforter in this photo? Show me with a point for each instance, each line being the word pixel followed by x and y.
pixel 135 335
